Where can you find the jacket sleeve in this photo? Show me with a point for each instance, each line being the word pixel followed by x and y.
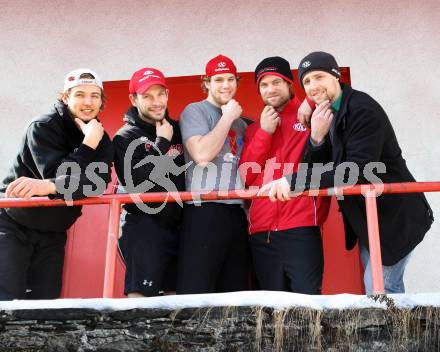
pixel 316 154
pixel 72 171
pixel 363 141
pixel 256 147
pixel 139 165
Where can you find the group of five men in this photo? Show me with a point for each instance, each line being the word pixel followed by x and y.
pixel 205 247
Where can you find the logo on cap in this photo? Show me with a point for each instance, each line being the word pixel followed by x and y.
pixel 222 64
pixel 336 71
pixel 306 64
pixel 71 78
pixel 148 72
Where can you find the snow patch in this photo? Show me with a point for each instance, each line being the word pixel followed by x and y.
pixel 272 299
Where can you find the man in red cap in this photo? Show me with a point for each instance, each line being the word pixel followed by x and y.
pixel 286 239
pixel 148 157
pixel 214 252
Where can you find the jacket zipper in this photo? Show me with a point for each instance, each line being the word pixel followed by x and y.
pixel 314 208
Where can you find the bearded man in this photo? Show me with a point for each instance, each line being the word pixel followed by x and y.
pixel 148 154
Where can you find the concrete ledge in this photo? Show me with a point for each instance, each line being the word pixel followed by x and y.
pixel 388 323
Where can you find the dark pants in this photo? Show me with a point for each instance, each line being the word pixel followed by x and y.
pixel 214 251
pixel 149 250
pixel 31 261
pixel 289 260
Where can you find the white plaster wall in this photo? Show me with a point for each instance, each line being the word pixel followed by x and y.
pixel 392 47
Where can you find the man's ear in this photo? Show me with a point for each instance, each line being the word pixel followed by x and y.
pixel 132 98
pixel 65 98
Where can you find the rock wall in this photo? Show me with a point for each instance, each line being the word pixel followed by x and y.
pixel 221 329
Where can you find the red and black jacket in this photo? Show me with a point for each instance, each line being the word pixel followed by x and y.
pixel 279 154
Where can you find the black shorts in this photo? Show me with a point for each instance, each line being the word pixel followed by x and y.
pixel 289 260
pixel 31 261
pixel 149 250
pixel 214 253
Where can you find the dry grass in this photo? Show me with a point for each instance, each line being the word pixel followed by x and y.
pixel 301 328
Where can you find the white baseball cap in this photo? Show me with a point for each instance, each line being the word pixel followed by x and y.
pixel 74 79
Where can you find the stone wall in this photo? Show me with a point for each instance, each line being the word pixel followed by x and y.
pixel 221 329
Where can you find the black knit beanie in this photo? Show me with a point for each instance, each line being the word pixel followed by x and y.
pixel 318 61
pixel 274 65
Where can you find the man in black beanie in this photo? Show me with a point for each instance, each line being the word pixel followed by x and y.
pixel 285 238
pixel 348 126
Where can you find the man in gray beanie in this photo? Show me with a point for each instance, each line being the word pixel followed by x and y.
pixel 348 126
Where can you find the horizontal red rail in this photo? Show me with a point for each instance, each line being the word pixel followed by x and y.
pixel 405 187
pixel 115 200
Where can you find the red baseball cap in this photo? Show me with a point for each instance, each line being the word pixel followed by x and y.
pixel 220 64
pixel 144 79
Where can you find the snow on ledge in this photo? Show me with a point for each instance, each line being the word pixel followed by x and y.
pixel 272 299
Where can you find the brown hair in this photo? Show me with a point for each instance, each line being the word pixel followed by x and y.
pixel 208 79
pixel 63 95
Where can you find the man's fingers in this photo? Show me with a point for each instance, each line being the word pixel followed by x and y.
pixel 323 106
pixel 21 188
pixel 263 190
pixel 28 193
pixel 328 113
pixel 266 108
pixel 273 118
pixel 11 189
pixel 284 194
pixel 280 193
pixel 273 192
pixel 80 123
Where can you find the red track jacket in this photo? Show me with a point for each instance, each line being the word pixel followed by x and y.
pixel 285 147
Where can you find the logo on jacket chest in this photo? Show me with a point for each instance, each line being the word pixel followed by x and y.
pixel 299 127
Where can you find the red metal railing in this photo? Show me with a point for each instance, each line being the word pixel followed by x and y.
pixel 114 201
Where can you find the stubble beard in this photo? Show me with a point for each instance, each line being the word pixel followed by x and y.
pixel 151 118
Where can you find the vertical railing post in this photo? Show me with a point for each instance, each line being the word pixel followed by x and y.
pixel 374 241
pixel 110 253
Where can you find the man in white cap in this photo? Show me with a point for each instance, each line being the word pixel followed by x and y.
pixel 65 154
pixel 149 158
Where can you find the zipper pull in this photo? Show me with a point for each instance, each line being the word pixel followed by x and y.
pixel 268 237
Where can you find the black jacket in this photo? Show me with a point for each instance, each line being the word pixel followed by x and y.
pixel 160 169
pixel 51 140
pixel 363 134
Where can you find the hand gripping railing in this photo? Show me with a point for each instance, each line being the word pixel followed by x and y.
pixel 114 201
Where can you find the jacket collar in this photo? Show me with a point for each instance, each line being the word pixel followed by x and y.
pixel 61 109
pixel 347 91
